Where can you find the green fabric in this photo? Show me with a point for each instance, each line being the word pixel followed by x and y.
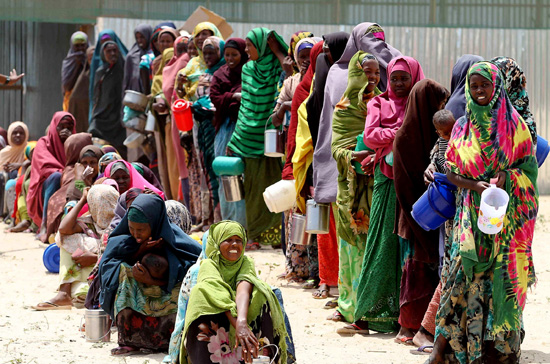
pixel 260 173
pixel 350 260
pixel 379 285
pixel 354 195
pixel 136 215
pixel 138 168
pixel 259 93
pixel 216 287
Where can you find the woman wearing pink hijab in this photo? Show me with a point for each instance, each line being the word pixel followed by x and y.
pixel 379 285
pixel 126 177
pixel 47 164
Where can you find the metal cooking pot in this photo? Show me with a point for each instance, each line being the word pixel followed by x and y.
pixel 274 142
pixel 298 234
pixel 318 217
pixel 233 188
pixel 135 100
pixel 134 140
pixel 137 123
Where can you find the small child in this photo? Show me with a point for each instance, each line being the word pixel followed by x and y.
pixel 156 265
pixel 444 122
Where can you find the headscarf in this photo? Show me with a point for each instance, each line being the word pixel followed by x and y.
pixel 156 86
pixel 411 156
pixel 131 67
pixel 347 123
pixel 225 83
pixel 98 61
pixel 367 37
pixel 259 92
pixel 300 95
pixel 387 111
pixel 148 175
pixel 74 62
pixel 136 179
pixel 294 40
pixel 515 84
pixel 489 139
pixel 102 200
pixel 179 215
pixel 91 148
pixel 14 153
pixel 171 69
pixel 196 66
pixel 216 286
pixel 457 101
pixel 122 205
pixel 4 137
pixel 156 33
pixel 49 157
pixel 106 159
pixel 218 44
pixel 30 148
pixel 110 182
pixel 108 149
pixel 179 249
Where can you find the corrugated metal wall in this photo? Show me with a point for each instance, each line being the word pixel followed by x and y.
pixel 437 49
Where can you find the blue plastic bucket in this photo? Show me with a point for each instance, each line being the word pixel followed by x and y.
pixel 228 166
pixel 436 205
pixel 51 258
pixel 542 150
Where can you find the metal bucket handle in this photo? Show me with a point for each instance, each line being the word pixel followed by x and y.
pixel 276 353
pixel 269 122
pixel 101 338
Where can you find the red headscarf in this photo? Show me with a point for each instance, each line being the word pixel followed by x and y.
pixel 48 157
pixel 300 95
pixel 171 70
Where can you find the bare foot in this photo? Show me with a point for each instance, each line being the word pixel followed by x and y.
pixel 405 336
pixel 22 226
pixel 61 299
pixel 124 350
pixel 322 292
pixel 423 338
pixel 438 354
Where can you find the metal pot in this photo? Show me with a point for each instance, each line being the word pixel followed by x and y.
pixel 274 145
pixel 318 217
pixel 137 123
pixel 135 100
pixel 134 140
pixel 298 234
pixel 233 188
pixel 98 325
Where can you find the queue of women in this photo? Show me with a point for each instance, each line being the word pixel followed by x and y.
pixel 123 217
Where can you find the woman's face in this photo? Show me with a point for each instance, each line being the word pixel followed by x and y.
pixel 111 53
pixel 141 41
pixel 303 58
pixel 372 71
pixel 92 162
pixel 166 41
pixel 481 89
pixel 232 248
pixel 141 231
pixel 18 136
pixel 211 57
pixel 122 178
pixel 65 128
pixel 400 83
pixel 201 37
pixel 80 47
pixel 326 51
pixel 180 48
pixel 251 50
pixel 192 50
pixel 232 57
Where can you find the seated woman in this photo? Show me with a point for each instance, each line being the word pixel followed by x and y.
pixel 21 217
pixel 84 176
pixel 12 158
pixel 79 241
pixel 47 164
pixel 144 308
pixel 107 158
pixel 230 301
pixel 127 177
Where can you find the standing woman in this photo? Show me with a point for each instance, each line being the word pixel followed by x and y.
pixel 142 35
pixel 353 202
pixel 485 286
pixel 225 94
pixel 420 248
pixel 266 50
pixel 107 102
pixel 79 101
pixel 48 161
pixel 73 64
pixel 378 287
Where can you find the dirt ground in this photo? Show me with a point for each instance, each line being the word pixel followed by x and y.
pixel 28 336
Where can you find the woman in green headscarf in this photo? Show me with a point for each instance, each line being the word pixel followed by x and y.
pixel 266 50
pixel 354 196
pixel 231 313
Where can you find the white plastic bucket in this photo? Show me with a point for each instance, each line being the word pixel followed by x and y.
pixel 280 196
pixel 492 210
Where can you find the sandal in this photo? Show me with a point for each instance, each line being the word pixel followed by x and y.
pixel 331 304
pixel 336 317
pixel 125 351
pixel 407 340
pixel 50 306
pixel 321 294
pixel 421 350
pixel 252 246
pixel 352 329
pixel 311 284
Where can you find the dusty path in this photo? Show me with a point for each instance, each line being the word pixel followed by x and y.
pixel 28 336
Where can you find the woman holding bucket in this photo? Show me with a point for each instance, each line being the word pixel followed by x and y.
pixel 490 273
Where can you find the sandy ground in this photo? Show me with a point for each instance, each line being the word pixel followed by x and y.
pixel 28 336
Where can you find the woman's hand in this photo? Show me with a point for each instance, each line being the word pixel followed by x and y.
pixel 429 174
pixel 84 197
pixel 86 259
pixel 304 67
pixel 141 274
pixel 288 66
pixel 367 165
pixel 88 176
pixel 181 80
pixel 160 106
pixel 500 179
pixel 150 244
pixel 360 155
pixel 237 96
pixel 247 340
pixel 481 186
pixel 8 167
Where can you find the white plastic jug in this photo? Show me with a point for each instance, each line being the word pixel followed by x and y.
pixel 280 196
pixel 492 210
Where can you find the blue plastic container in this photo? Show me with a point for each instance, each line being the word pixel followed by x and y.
pixel 51 258
pixel 436 205
pixel 228 166
pixel 542 150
